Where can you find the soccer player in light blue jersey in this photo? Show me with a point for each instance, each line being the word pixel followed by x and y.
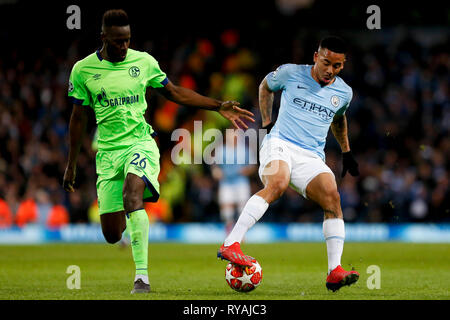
pixel 313 99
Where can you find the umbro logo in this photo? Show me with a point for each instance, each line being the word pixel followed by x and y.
pixel 96 76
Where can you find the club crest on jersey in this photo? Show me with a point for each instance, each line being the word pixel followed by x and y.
pixel 102 98
pixel 335 101
pixel 134 71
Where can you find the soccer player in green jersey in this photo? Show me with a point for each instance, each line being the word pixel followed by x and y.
pixel 113 82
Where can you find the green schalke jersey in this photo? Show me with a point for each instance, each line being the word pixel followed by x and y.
pixel 116 92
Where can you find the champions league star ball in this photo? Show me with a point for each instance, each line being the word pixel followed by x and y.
pixel 243 279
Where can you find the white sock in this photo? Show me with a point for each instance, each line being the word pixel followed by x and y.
pixel 252 212
pixel 334 233
pixel 141 276
pixel 241 206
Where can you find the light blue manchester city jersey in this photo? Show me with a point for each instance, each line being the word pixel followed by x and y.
pixel 306 108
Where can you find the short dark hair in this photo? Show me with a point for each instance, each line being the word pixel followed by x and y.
pixel 334 44
pixel 115 17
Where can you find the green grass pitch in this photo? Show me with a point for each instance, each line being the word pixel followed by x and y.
pixel 291 271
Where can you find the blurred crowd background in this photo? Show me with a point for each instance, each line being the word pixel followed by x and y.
pixel 399 118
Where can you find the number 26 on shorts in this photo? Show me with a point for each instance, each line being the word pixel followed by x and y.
pixel 141 162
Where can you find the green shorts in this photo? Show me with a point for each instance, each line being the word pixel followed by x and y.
pixel 112 167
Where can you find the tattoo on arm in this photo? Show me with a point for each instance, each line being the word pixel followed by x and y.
pixel 265 103
pixel 339 129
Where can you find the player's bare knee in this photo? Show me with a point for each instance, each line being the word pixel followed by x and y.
pixel 333 197
pixel 331 205
pixel 112 237
pixel 277 187
pixel 131 201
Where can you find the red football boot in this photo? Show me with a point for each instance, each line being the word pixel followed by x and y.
pixel 234 254
pixel 339 278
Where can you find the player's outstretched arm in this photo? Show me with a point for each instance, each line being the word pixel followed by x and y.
pixel 339 129
pixel 228 109
pixel 265 98
pixel 77 128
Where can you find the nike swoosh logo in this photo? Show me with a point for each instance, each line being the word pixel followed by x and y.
pixel 301 87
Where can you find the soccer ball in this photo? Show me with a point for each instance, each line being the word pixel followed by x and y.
pixel 243 279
